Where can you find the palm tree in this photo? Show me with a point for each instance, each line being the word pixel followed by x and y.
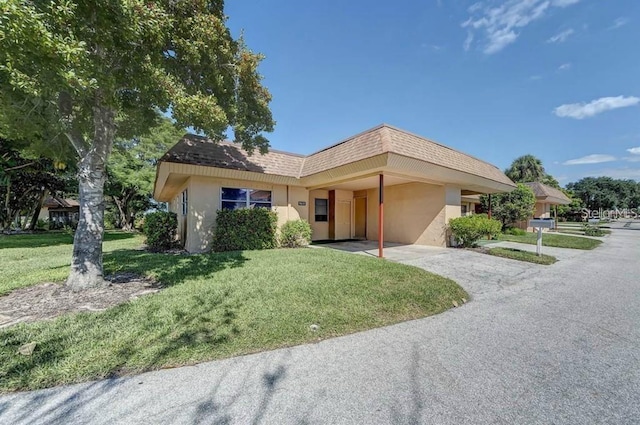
pixel 526 168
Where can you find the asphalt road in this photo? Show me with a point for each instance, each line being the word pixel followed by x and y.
pixel 536 345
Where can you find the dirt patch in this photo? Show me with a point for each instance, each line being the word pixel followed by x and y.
pixel 50 300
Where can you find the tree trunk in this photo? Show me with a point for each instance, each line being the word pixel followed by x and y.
pixel 36 213
pixel 86 264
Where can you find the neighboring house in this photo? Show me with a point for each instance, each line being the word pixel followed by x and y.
pixel 384 184
pixel 470 204
pixel 547 200
pixel 60 212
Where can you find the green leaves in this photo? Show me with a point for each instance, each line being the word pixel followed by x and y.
pixel 135 56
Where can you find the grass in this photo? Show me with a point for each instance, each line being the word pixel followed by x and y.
pixel 553 240
pixel 517 254
pixel 35 258
pixel 571 231
pixel 216 306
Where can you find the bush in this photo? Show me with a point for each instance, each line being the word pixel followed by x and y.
pixel 515 231
pixel 469 229
pixel 160 228
pixel 245 229
pixel 295 233
pixel 590 230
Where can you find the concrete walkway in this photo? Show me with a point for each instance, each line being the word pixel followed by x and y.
pixel 557 344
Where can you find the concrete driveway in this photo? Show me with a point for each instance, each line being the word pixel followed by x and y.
pixel 557 344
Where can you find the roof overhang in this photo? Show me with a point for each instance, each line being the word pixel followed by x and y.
pixel 552 200
pixel 171 176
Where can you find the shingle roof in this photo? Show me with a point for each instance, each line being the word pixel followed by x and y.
pixel 549 193
pixel 198 150
pixel 55 202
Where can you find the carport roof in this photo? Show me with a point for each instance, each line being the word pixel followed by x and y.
pixel 548 194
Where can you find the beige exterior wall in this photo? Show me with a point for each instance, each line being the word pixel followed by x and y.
pixel 44 214
pixel 204 200
pixel 414 213
pixel 319 229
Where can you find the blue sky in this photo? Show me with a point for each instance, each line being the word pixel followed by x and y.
pixel 559 79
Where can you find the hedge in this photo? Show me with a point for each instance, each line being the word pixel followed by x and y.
pixel 245 229
pixel 160 228
pixel 469 229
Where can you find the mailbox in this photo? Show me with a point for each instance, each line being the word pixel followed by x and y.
pixel 542 223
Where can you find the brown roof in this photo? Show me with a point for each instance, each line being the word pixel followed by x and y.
pixel 55 202
pixel 548 193
pixel 198 150
pixel 386 138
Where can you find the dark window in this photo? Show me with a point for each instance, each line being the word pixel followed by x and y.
pixel 322 209
pixel 233 198
pixel 185 202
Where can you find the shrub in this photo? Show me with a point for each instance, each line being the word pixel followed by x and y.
pixel 469 229
pixel 295 233
pixel 515 231
pixel 590 230
pixel 42 224
pixel 160 228
pixel 245 229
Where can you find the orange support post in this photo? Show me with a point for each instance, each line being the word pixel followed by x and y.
pixel 381 217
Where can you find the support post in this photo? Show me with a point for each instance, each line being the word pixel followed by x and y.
pixel 381 217
pixel 539 244
pixel 489 214
pixel 555 218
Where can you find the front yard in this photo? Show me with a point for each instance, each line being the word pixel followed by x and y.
pixel 213 306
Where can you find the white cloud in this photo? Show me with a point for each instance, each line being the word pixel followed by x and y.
pixel 590 159
pixel 584 110
pixel 634 151
pixel 500 24
pixel 619 23
pixel 535 77
pixel 564 67
pixel 564 3
pixel 561 37
pixel 635 158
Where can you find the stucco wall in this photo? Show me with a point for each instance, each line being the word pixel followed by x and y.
pixel 320 229
pixel 413 213
pixel 204 201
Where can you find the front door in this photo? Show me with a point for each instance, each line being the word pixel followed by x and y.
pixel 360 218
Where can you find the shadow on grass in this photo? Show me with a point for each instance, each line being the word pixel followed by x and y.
pixel 41 240
pixel 169 269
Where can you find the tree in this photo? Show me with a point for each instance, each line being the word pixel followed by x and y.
pixel 526 168
pixel 85 73
pixel 131 170
pixel 512 207
pixel 606 193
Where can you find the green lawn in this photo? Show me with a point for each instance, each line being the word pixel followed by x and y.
pixel 45 257
pixel 517 254
pixel 214 306
pixel 554 240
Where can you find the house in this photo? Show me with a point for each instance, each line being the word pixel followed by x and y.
pixel 470 204
pixel 547 200
pixel 384 184
pixel 60 212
